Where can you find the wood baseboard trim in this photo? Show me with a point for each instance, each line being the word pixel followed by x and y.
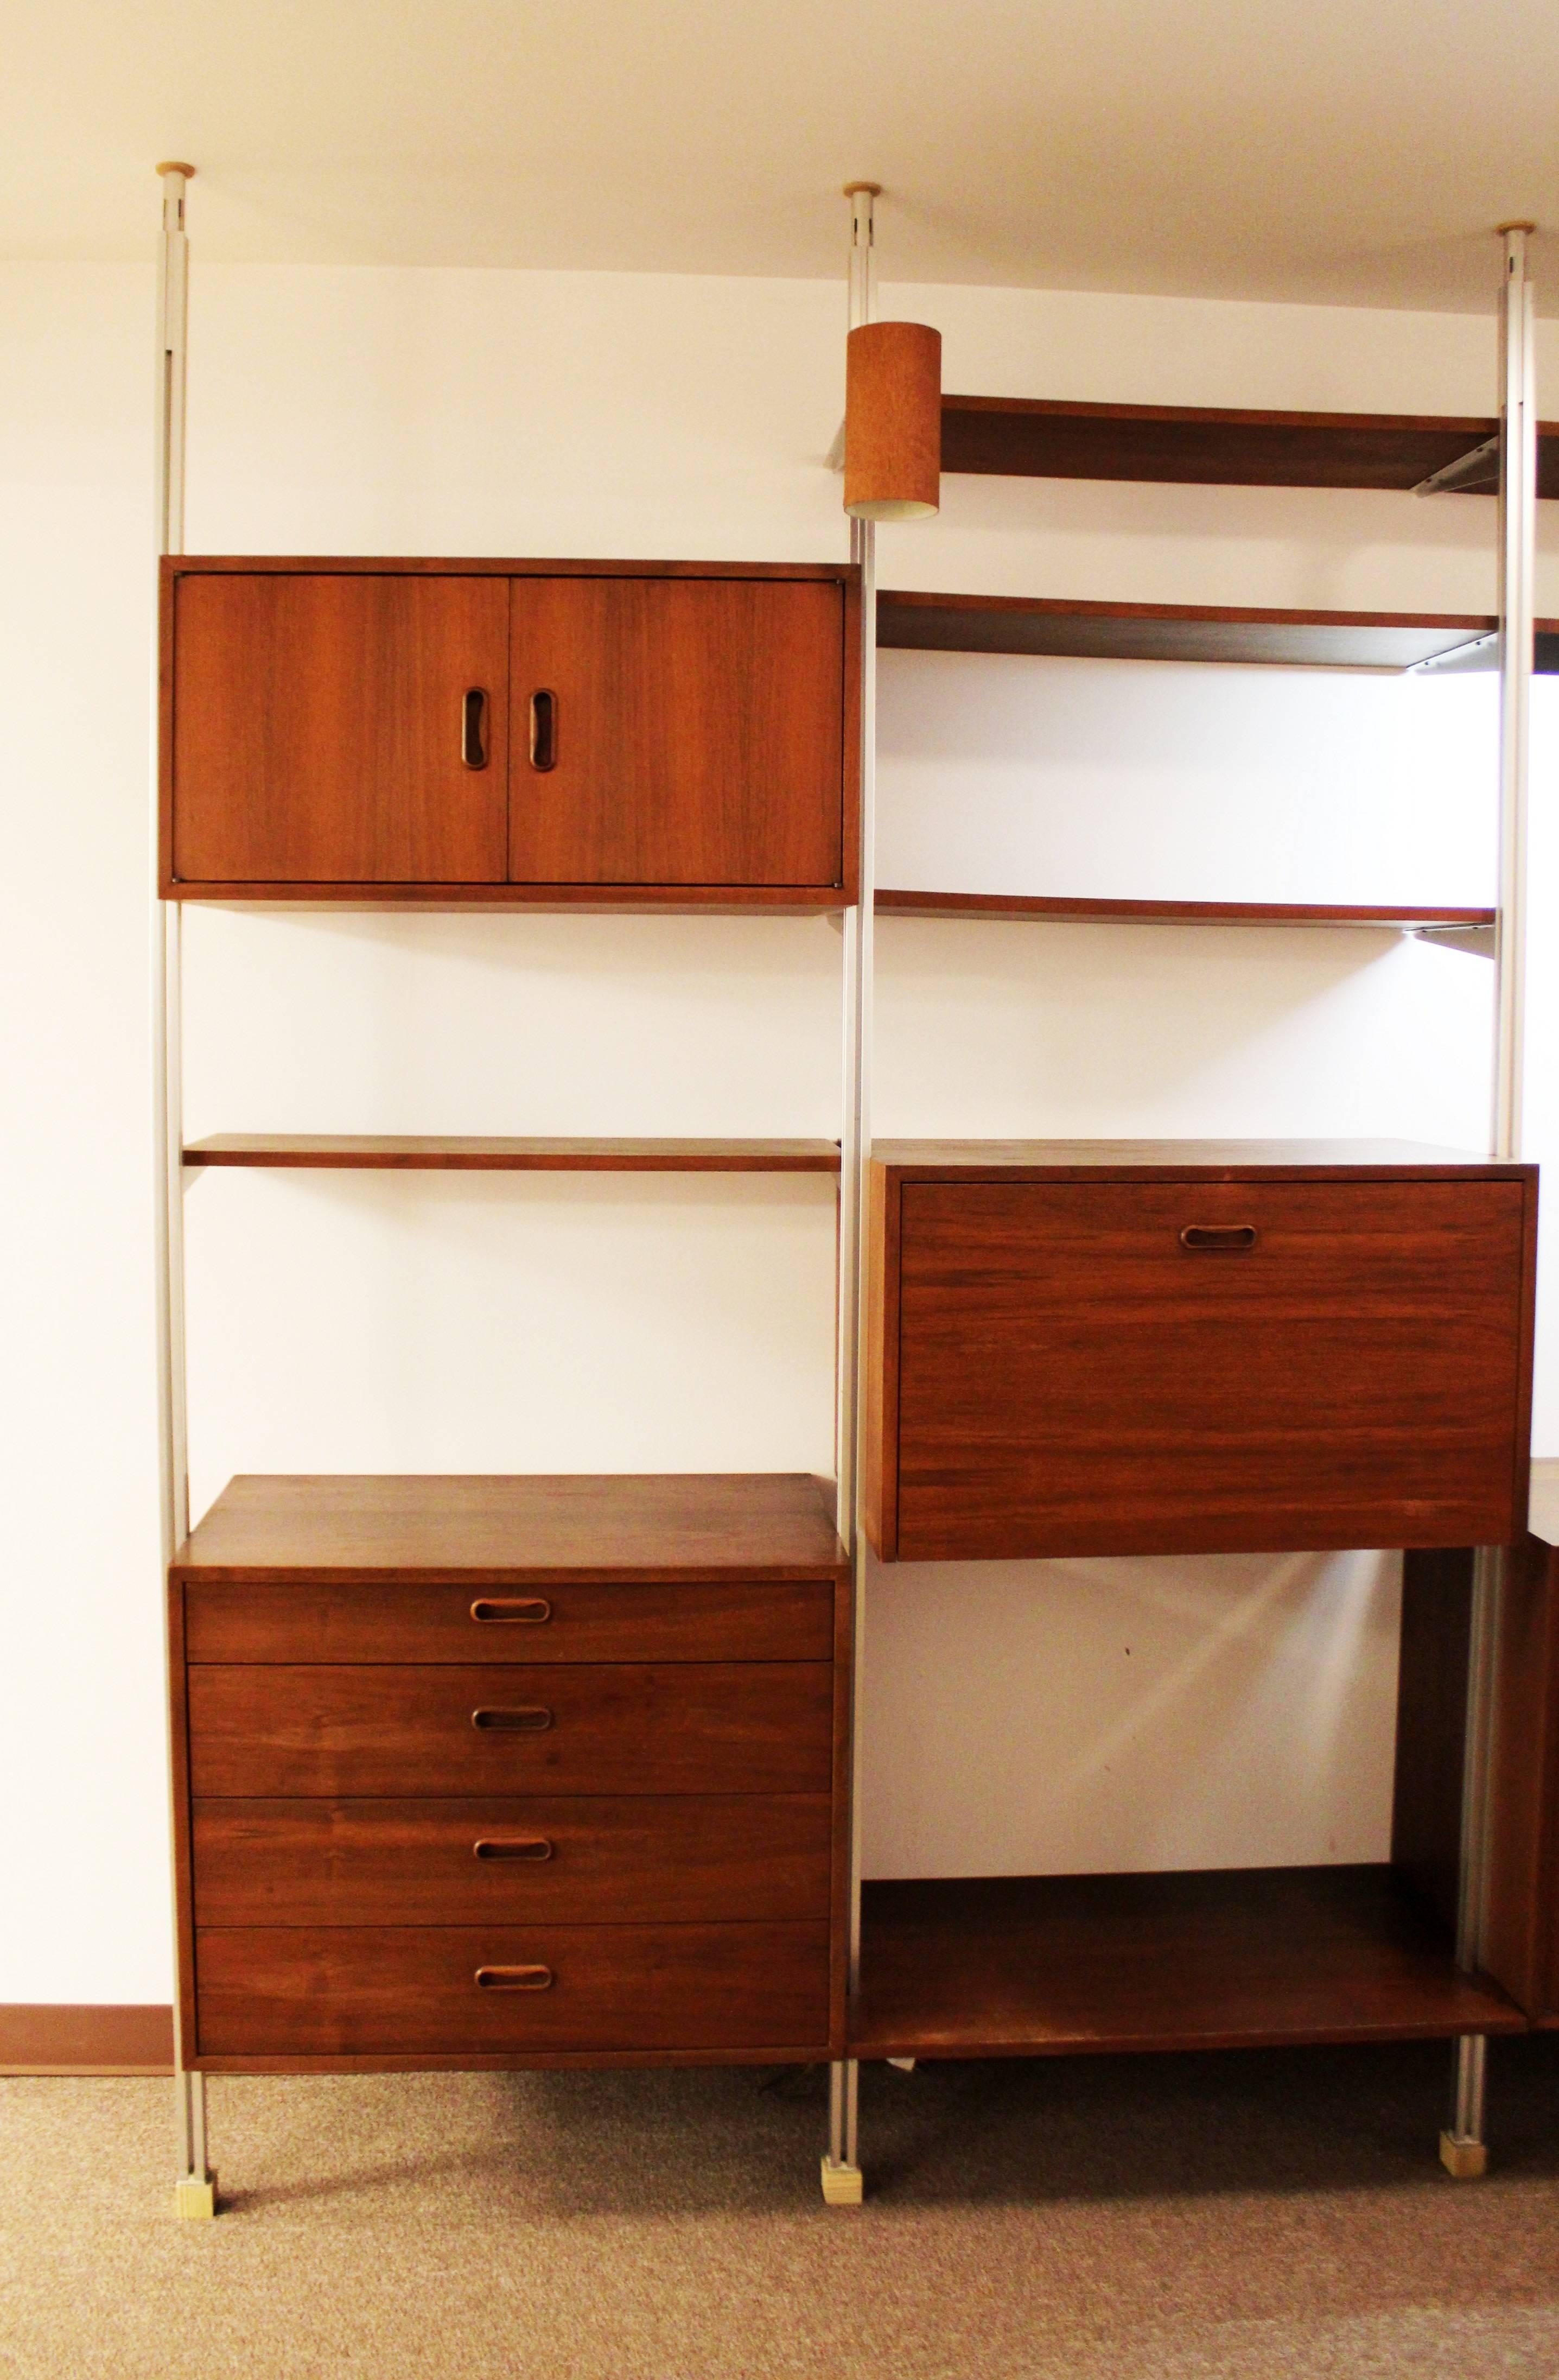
pixel 50 2037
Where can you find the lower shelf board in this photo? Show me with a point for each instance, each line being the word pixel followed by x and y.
pixel 1217 1959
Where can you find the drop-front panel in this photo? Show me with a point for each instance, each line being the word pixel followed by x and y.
pixel 1097 1348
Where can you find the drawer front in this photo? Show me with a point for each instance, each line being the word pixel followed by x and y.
pixel 676 1859
pixel 348 1990
pixel 1335 1364
pixel 583 1621
pixel 704 1727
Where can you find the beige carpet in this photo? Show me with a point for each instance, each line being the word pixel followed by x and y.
pixel 1105 2219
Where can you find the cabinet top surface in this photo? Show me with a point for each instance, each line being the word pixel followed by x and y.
pixel 1175 1158
pixel 685 1525
pixel 185 565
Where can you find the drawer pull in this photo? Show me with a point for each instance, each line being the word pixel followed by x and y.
pixel 520 1847
pixel 531 1719
pixel 514 1979
pixel 518 1610
pixel 473 728
pixel 1211 1239
pixel 544 728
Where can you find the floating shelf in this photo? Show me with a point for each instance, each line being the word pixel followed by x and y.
pixel 1018 1966
pixel 914 621
pixel 898 904
pixel 419 1152
pixel 1212 446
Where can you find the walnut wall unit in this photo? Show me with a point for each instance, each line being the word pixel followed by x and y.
pixel 560 1770
pixel 556 732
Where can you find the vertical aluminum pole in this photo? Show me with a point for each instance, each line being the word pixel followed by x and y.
pixel 841 2174
pixel 194 2194
pixel 1518 543
pixel 1462 2146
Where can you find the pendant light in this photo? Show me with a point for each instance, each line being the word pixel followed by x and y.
pixel 892 421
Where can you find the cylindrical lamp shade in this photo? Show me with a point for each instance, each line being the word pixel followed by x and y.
pixel 893 421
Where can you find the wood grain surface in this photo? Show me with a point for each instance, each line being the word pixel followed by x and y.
pixel 386 1732
pixel 640 1859
pixel 1135 1160
pixel 443 1152
pixel 918 621
pixel 700 731
pixel 576 1619
pixel 344 1989
pixel 317 729
pixel 518 1529
pixel 1063 910
pixel 1522 1923
pixel 1073 1379
pixel 1217 445
pixel 1014 1966
pixel 304 754
pixel 1426 1821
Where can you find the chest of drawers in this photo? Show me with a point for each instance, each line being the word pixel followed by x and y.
pixel 508 1771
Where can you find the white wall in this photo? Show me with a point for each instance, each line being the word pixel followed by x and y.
pixel 447 1323
pixel 84 1895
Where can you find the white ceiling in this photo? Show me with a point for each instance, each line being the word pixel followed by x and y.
pixel 1341 151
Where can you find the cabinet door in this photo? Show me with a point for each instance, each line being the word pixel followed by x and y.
pixel 677 731
pixel 339 728
pixel 1241 1366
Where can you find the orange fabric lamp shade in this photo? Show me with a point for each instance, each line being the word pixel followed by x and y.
pixel 893 421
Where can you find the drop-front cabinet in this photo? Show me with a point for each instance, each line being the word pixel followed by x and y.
pixel 1122 1348
pixel 601 731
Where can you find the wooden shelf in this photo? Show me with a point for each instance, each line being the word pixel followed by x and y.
pixel 419 1152
pixel 690 1526
pixel 1222 1959
pixel 1217 446
pixel 911 621
pixel 898 904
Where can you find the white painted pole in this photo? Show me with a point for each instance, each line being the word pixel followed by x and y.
pixel 842 2165
pixel 1462 2144
pixel 194 2193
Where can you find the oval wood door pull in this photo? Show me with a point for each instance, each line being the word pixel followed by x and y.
pixel 1211 1237
pixel 514 1979
pixel 473 728
pixel 530 1718
pixel 518 1611
pixel 517 1847
pixel 544 728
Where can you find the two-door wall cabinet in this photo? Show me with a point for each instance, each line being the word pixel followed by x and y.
pixel 512 1771
pixel 526 731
